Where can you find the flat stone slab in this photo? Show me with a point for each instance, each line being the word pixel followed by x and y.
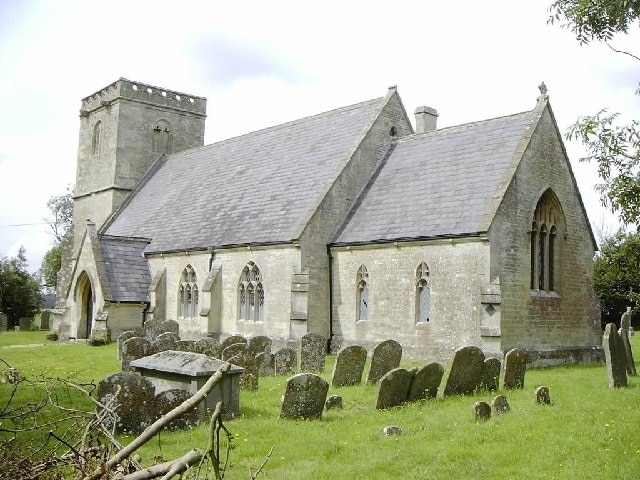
pixel 183 363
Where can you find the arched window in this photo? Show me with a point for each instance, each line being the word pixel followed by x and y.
pixel 545 255
pixel 423 294
pixel 362 294
pixel 250 294
pixel 162 138
pixel 96 140
pixel 188 294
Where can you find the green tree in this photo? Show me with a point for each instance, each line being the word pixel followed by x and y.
pixel 61 223
pixel 612 144
pixel 19 290
pixel 616 276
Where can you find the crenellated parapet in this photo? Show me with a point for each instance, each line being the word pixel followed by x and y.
pixel 141 92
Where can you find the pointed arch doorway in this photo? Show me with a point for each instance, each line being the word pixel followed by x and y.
pixel 85 301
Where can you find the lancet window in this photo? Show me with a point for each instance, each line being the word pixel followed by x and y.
pixel 423 294
pixel 188 293
pixel 544 249
pixel 362 294
pixel 250 294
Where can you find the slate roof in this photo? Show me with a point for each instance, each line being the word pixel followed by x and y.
pixel 127 268
pixel 257 188
pixel 440 183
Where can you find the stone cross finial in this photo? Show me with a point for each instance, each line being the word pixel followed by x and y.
pixel 543 88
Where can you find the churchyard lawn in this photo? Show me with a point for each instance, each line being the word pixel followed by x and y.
pixel 588 431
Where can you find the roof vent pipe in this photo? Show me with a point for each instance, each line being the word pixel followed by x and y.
pixel 426 119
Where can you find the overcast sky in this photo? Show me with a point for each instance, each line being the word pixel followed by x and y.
pixel 266 62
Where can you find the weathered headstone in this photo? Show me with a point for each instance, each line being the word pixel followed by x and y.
pixel 304 397
pixel 163 342
pixel 285 361
pixel 45 317
pixel 481 411
pixel 3 322
pixel 151 329
pixel 391 430
pixel 25 323
pixel 542 395
pixel 349 366
pixel 123 337
pixel 393 388
pixel 313 349
pixel 386 356
pixel 259 344
pixel 209 346
pixel 625 321
pixel 233 339
pixel 266 364
pixel 186 346
pixel 249 378
pixel 334 401
pixel 63 332
pixel 131 397
pixel 170 326
pixel 133 349
pixel 425 383
pixel 167 400
pixel 466 369
pixel 625 327
pixel 515 366
pixel 500 404
pixel 490 377
pixel 615 357
pixel 233 350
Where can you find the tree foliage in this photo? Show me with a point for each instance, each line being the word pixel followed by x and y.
pixel 616 275
pixel 51 264
pixel 61 224
pixel 19 290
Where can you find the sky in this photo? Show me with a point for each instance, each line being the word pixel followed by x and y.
pixel 262 63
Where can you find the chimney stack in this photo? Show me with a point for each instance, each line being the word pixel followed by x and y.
pixel 426 119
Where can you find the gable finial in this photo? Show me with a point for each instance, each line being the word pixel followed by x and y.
pixel 543 91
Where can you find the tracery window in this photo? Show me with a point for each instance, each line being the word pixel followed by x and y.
pixel 162 140
pixel 188 293
pixel 423 294
pixel 96 140
pixel 250 294
pixel 544 259
pixel 362 294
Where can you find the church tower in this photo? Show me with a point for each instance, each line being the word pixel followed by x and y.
pixel 124 129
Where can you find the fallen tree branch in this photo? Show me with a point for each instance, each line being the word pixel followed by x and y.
pixel 153 429
pixel 174 467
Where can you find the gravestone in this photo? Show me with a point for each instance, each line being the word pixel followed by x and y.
pixel 259 344
pixel 313 349
pixel 481 411
pixel 163 342
pixel 249 378
pixel 490 377
pixel 349 366
pixel 425 383
pixel 233 350
pixel 45 317
pixel 186 346
pixel 515 366
pixel 25 323
pixel 209 346
pixel 266 364
pixel 466 369
pixel 167 400
pixel 542 395
pixel 123 337
pixel 170 326
pixel 334 401
pixel 131 397
pixel 285 361
pixel 386 356
pixel 615 357
pixel 392 430
pixel 500 404
pixel 151 329
pixel 63 332
pixel 625 327
pixel 3 322
pixel 304 397
pixel 133 349
pixel 393 388
pixel 625 321
pixel 233 339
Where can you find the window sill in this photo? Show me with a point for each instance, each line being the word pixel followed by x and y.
pixel 422 325
pixel 544 294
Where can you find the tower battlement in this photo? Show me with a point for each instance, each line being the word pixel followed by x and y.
pixel 141 92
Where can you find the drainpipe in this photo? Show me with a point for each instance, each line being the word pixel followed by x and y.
pixel 330 299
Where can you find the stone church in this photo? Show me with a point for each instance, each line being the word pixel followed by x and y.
pixel 348 224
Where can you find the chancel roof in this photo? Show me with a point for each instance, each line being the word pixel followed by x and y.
pixel 438 184
pixel 257 188
pixel 126 267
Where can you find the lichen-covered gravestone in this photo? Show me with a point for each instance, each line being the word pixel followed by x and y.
pixel 232 340
pixel 304 397
pixel 515 366
pixel 151 329
pixel 266 364
pixel 393 388
pixel 233 350
pixel 386 356
pixel 312 352
pixel 163 342
pixel 349 366
pixel 542 395
pixel 133 349
pixel 285 361
pixel 334 401
pixel 169 399
pixel 186 346
pixel 133 398
pixel 500 404
pixel 615 357
pixel 426 381
pixel 466 369
pixel 259 344
pixel 490 377
pixel 123 337
pixel 209 347
pixel 625 327
pixel 481 411
pixel 170 326
pixel 249 378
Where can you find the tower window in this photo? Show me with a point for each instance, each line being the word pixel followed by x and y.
pixel 162 137
pixel 96 140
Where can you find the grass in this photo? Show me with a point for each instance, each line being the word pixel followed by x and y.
pixel 589 431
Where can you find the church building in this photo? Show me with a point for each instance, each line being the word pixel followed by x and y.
pixel 348 224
